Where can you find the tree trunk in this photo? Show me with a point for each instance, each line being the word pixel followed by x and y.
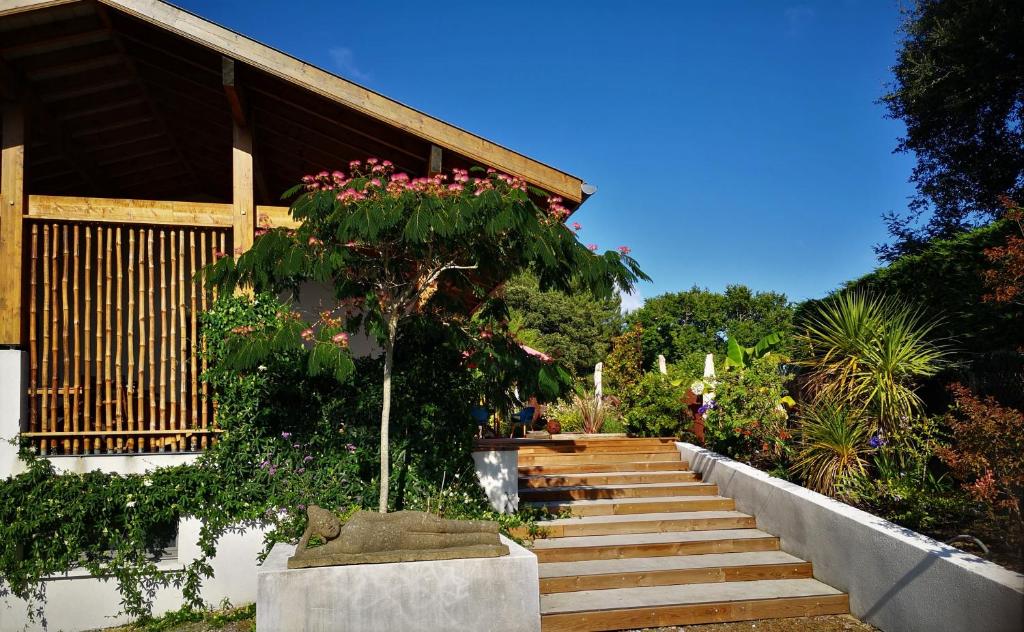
pixel 385 411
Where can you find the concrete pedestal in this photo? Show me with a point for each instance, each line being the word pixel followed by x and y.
pixel 497 594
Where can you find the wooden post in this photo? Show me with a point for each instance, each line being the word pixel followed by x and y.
pixel 12 208
pixel 243 202
pixel 434 161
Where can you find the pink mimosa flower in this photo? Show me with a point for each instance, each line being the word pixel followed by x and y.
pixel 624 250
pixel 576 226
pixel 592 247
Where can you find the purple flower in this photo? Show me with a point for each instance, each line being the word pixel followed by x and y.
pixel 300 470
pixel 286 435
pixel 307 458
pixel 300 507
pixel 273 470
pixel 709 405
pixel 297 446
pixel 350 447
pixel 877 440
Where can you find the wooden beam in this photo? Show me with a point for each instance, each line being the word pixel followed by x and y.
pixel 243 204
pixel 12 207
pixel 434 162
pixel 278 64
pixel 84 209
pixel 229 78
pixel 276 216
pixel 10 7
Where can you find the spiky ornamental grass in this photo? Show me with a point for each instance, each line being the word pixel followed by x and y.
pixel 870 352
pixel 391 247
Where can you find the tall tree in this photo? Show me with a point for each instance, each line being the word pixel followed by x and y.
pixel 573 327
pixel 391 247
pixel 684 326
pixel 959 89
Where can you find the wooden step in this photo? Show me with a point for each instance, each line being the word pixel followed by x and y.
pixel 596 457
pixel 597 448
pixel 606 547
pixel 594 492
pixel 624 506
pixel 665 571
pixel 596 478
pixel 688 604
pixel 597 468
pixel 643 523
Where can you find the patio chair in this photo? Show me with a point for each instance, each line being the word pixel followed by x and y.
pixel 524 419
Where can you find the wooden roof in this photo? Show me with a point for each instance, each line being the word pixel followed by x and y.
pixel 136 98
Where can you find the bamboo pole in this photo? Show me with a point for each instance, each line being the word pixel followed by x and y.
pixel 173 364
pixel 194 337
pixel 98 368
pixel 87 374
pixel 162 378
pixel 33 353
pixel 45 349
pixel 182 336
pixel 129 324
pixel 202 303
pixel 77 333
pixel 108 331
pixel 140 391
pixel 152 337
pixel 54 341
pixel 65 346
pixel 119 328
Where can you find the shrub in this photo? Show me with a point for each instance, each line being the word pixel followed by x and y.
pixel 903 485
pixel 987 455
pixel 654 408
pixel 749 421
pixel 833 444
pixel 623 368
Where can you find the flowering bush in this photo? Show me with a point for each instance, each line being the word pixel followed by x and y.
pixel 749 421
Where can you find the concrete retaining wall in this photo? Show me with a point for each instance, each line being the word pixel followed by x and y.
pixel 498 594
pixel 498 473
pixel 898 580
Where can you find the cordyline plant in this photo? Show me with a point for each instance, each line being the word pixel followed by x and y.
pixel 392 247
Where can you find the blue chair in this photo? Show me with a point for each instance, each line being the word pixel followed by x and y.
pixel 525 418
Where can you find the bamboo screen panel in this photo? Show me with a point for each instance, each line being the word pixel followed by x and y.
pixel 112 330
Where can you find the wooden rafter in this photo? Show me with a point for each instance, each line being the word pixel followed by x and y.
pixel 51 128
pixel 161 121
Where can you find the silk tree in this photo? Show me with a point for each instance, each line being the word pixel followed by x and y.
pixel 392 247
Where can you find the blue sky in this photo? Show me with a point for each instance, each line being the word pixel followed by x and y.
pixel 731 142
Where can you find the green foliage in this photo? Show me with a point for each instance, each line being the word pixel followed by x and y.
pixel 749 422
pixel 654 408
pixel 290 440
pixel 392 249
pixel 685 326
pixel 903 485
pixel 573 327
pixel 958 90
pixel 623 368
pixel 869 352
pixel 944 280
pixel 833 444
pixel 740 357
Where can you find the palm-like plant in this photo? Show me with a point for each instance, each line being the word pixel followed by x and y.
pixel 592 410
pixel 868 352
pixel 834 440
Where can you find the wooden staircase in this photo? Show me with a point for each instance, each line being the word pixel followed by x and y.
pixel 650 544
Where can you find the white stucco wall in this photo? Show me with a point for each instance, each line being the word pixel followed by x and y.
pixel 496 594
pixel 898 580
pixel 498 473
